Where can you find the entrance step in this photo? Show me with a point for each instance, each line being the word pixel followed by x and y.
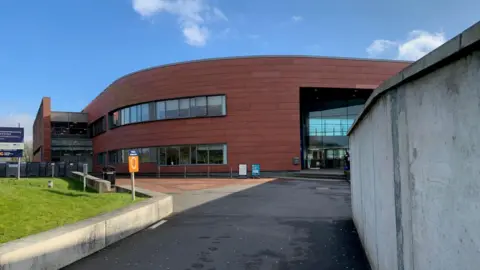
pixel 320 176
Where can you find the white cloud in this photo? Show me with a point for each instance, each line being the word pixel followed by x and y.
pixel 297 18
pixel 379 46
pixel 12 120
pixel 418 44
pixel 193 16
pixel 196 35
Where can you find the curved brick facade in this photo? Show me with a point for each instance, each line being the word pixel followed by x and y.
pixel 262 124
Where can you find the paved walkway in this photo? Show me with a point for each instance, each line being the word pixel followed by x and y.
pixel 179 185
pixel 279 224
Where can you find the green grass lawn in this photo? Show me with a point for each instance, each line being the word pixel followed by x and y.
pixel 28 206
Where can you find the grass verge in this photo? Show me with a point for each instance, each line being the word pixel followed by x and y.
pixel 28 206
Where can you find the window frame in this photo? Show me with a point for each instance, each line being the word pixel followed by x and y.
pixel 153 111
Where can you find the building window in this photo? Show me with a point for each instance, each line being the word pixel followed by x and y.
pixel 124 156
pixel 101 159
pixel 202 154
pixel 114 157
pixel 199 107
pixel 172 108
pixel 98 127
pixel 162 156
pixel 145 155
pixel 184 108
pixel 193 154
pixel 115 119
pixel 173 155
pixel 216 105
pixel 216 154
pixel 145 112
pixel 122 117
pixel 184 155
pixel 133 114
pixel 160 110
pixel 126 116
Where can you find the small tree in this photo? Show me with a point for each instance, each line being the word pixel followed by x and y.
pixel 28 152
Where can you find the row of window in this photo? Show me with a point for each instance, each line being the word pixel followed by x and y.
pixel 171 155
pixel 98 127
pixel 170 109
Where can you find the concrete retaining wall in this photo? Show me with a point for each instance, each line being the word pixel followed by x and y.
pixel 93 182
pixel 59 247
pixel 415 163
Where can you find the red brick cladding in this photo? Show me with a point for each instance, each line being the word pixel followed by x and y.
pixel 263 120
pixel 42 132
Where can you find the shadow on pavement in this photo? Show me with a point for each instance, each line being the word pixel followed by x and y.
pixel 282 224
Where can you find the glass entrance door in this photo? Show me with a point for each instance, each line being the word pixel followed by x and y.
pixel 329 158
pixel 335 158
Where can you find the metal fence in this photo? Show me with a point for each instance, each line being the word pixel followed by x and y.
pixel 40 169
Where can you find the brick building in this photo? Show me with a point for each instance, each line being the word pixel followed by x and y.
pixel 215 114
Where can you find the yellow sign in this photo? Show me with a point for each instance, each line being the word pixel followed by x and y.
pixel 133 164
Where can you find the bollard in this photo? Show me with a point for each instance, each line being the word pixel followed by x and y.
pixel 208 172
pixel 158 171
pixel 185 172
pixel 18 169
pixel 85 172
pixel 231 173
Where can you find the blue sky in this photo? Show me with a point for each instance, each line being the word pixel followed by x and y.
pixel 71 50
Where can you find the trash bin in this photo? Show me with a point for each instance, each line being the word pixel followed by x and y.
pixel 109 173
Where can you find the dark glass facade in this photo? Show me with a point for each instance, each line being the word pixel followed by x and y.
pixel 70 140
pixel 326 118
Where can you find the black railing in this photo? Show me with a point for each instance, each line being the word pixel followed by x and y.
pixel 40 169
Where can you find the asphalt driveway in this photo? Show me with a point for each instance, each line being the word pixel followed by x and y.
pixel 281 224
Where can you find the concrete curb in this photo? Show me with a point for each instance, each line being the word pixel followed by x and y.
pixel 313 179
pixel 100 185
pixel 62 246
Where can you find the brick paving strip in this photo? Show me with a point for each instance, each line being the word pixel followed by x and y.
pixel 172 185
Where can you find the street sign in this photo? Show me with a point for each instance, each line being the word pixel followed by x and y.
pixel 12 146
pixel 255 170
pixel 11 153
pixel 133 161
pixel 133 168
pixel 11 142
pixel 11 135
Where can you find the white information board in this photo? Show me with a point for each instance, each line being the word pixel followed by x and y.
pixel 242 169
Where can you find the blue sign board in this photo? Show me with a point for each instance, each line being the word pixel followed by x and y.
pixel 11 135
pixel 132 153
pixel 256 170
pixel 11 153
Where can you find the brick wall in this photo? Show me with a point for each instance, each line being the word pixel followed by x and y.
pixel 42 132
pixel 262 94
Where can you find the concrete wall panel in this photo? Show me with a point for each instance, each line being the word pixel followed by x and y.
pixel 444 159
pixel 415 157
